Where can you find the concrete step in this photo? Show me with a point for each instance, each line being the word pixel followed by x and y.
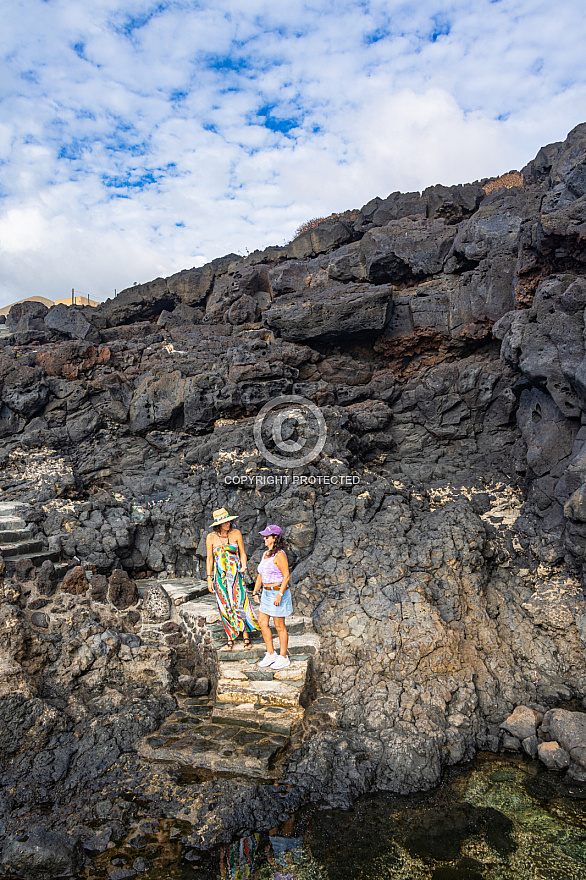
pixel 14 536
pixel 21 548
pixel 215 749
pixel 287 694
pixel 272 719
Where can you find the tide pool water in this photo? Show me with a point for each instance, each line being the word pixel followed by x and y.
pixel 499 818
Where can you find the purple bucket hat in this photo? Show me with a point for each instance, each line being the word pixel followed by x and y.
pixel 271 530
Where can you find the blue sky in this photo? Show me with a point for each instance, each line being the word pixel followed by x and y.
pixel 138 138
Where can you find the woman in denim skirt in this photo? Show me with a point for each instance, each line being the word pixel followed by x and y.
pixel 275 602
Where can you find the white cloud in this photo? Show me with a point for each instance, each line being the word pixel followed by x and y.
pixel 140 137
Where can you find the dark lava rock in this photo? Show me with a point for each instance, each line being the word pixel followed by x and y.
pixel 99 588
pixel 29 308
pixel 156 604
pixel 121 874
pixel 194 687
pixel 38 853
pixel 22 569
pixel 71 322
pixel 566 728
pixel 39 619
pixel 75 581
pixel 46 580
pixel 122 590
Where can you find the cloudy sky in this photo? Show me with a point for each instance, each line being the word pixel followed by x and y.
pixel 138 138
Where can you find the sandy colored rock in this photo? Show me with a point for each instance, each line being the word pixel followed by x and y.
pixel 522 722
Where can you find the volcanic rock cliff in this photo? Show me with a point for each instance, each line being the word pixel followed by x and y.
pixel 437 542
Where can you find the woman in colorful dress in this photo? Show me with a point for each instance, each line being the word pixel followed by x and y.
pixel 275 601
pixel 226 563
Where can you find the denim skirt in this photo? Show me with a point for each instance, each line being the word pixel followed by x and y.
pixel 267 598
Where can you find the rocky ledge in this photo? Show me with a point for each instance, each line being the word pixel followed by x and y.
pixel 437 540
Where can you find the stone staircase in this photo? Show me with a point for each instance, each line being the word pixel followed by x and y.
pixel 16 539
pixel 253 716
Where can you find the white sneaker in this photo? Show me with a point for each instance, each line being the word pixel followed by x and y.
pixel 280 662
pixel 267 660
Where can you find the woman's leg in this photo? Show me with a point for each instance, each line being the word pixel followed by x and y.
pixel 265 629
pixel 283 635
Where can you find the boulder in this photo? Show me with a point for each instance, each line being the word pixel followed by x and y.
pixel 379 212
pixel 75 581
pixel 452 203
pixel 156 605
pixel 22 569
pixel 38 853
pixel 522 722
pixel 191 286
pixel 46 580
pixel 553 756
pixel 244 310
pixel 567 728
pixel 194 687
pixel 28 309
pixel 99 591
pixel 549 436
pixel 24 390
pixel 139 303
pixel 70 321
pixel 404 250
pixel 331 312
pixel 325 237
pixel 122 591
pixel 530 746
pixel 157 401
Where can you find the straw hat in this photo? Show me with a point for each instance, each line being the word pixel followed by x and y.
pixel 222 516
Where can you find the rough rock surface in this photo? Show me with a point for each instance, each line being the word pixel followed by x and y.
pixel 437 540
pixel 122 590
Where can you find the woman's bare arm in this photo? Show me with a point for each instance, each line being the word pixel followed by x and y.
pixel 280 560
pixel 210 559
pixel 240 544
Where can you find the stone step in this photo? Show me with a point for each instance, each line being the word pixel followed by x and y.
pixel 14 536
pixel 216 749
pixel 287 694
pixel 179 590
pixel 7 508
pixel 37 559
pixel 300 645
pixel 10 523
pixel 248 670
pixel 272 719
pixel 21 548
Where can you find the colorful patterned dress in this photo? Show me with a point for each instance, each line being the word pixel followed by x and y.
pixel 240 857
pixel 233 600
